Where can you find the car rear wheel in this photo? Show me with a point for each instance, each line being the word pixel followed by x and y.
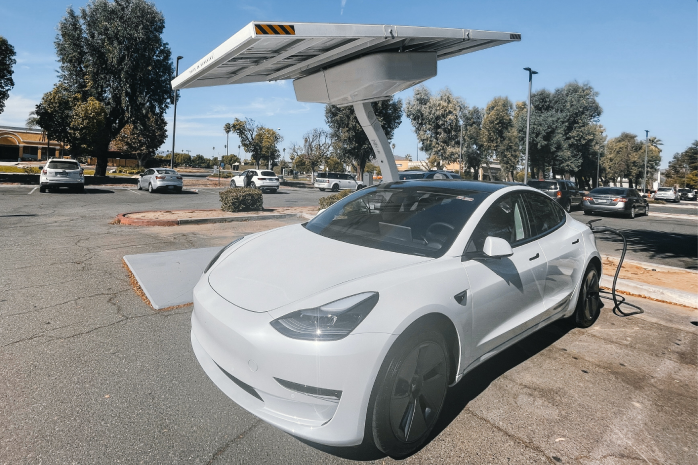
pixel 409 392
pixel 589 303
pixel 647 210
pixel 568 206
pixel 42 189
pixel 150 188
pixel 140 188
pixel 322 189
pixel 632 213
pixel 588 212
pixel 253 185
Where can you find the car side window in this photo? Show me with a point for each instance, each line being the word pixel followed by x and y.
pixel 505 219
pixel 440 176
pixel 563 185
pixel 544 214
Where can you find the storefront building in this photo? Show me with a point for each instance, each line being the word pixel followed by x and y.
pixel 17 144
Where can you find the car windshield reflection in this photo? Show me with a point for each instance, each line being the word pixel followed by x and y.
pixel 417 220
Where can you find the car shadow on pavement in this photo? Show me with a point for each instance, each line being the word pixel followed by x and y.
pixel 467 389
pixel 659 245
pixel 88 190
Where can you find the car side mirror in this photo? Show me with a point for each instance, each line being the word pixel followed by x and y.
pixel 141 175
pixel 496 247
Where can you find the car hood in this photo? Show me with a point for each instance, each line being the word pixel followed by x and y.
pixel 288 264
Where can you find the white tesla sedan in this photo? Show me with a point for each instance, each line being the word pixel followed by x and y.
pixel 435 278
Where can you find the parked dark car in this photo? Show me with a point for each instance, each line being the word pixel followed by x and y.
pixel 619 200
pixel 687 194
pixel 435 174
pixel 566 193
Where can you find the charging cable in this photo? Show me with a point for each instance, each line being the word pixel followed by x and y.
pixel 617 300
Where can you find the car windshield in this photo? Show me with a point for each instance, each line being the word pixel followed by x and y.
pixel 684 191
pixel 404 176
pixel 665 189
pixel 267 173
pixel 63 165
pixel 543 185
pixel 167 172
pixel 415 220
pixel 608 191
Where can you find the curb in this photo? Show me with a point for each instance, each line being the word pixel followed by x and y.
pixel 648 291
pixel 122 218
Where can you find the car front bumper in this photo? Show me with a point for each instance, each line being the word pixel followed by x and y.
pixel 244 355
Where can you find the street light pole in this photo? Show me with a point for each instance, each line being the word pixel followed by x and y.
pixel 644 179
pixel 528 120
pixel 460 168
pixel 174 120
pixel 598 157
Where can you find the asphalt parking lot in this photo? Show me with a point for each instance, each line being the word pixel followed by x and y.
pixel 91 374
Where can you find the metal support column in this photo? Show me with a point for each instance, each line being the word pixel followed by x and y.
pixel 379 142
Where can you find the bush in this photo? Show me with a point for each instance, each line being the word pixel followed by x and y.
pixel 241 199
pixel 325 202
pixel 31 170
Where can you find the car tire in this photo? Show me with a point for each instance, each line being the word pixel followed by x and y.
pixel 140 188
pixel 232 184
pixel 178 190
pixel 632 213
pixel 42 189
pixel 568 206
pixel 150 188
pixel 647 210
pixel 321 189
pixel 253 185
pixel 335 188
pixel 589 302
pixel 81 189
pixel 273 191
pixel 588 212
pixel 402 395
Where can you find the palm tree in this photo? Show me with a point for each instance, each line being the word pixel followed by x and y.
pixel 228 128
pixel 655 142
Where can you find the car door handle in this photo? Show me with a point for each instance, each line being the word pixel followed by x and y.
pixel 576 242
pixel 534 257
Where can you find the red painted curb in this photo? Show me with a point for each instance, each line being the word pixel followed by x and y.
pixel 122 218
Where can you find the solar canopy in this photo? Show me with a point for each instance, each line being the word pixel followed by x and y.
pixel 262 52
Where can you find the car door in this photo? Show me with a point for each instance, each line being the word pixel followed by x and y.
pixel 146 178
pixel 575 195
pixel 507 293
pixel 240 179
pixel 563 247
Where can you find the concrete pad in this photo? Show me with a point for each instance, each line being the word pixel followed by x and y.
pixel 168 278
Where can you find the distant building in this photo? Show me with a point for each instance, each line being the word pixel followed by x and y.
pixel 18 144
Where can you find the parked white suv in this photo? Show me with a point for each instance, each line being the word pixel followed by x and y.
pixel 668 194
pixel 337 181
pixel 259 179
pixel 62 173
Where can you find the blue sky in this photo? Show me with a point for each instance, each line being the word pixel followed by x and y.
pixel 641 56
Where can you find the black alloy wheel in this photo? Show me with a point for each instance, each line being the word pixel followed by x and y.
pixel 253 185
pixel 42 189
pixel 335 188
pixel 410 392
pixel 632 213
pixel 232 183
pixel 589 304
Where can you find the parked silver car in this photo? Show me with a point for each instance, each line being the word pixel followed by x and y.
pixel 62 173
pixel 155 179
pixel 687 194
pixel 667 193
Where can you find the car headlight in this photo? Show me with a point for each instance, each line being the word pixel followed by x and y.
pixel 330 322
pixel 220 252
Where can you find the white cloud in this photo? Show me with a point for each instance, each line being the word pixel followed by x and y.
pixel 28 58
pixel 344 2
pixel 17 109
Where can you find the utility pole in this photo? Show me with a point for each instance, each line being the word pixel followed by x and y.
pixel 644 179
pixel 460 167
pixel 598 155
pixel 174 120
pixel 528 120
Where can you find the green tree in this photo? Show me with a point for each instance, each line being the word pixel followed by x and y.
pixel 578 113
pixel 437 122
pixel 544 135
pixel 199 161
pixel 227 128
pixel 7 61
pixel 498 135
pixel 334 165
pixel 231 159
pixel 260 142
pixel 625 158
pixel 473 150
pixel 113 52
pixel 350 143
pixel 87 127
pixel 314 152
pixel 181 159
pixel 142 140
pixel 683 167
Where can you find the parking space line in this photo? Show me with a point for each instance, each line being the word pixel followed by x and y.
pixel 32 191
pixel 135 191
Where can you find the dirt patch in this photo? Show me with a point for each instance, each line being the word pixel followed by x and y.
pixel 660 276
pixel 217 213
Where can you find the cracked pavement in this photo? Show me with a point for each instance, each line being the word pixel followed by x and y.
pixel 90 374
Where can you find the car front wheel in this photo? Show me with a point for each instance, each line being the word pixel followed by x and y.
pixel 589 303
pixel 232 183
pixel 409 392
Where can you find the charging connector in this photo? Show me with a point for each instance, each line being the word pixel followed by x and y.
pixel 617 300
